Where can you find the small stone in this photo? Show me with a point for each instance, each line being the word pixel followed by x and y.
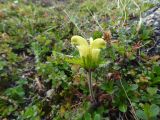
pixel 152 18
pixel 50 93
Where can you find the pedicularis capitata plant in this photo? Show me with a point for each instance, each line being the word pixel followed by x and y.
pixel 89 55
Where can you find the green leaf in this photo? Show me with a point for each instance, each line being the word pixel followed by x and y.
pixel 97 117
pixel 108 87
pixel 16 93
pixel 133 87
pixel 156 80
pixel 123 107
pixel 154 110
pixel 119 48
pixel 2 64
pixel 29 112
pixel 152 90
pixel 97 34
pixel 77 61
pixel 157 70
pixel 147 110
pixel 141 115
pixel 87 116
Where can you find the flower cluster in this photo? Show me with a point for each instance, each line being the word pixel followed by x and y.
pixel 89 52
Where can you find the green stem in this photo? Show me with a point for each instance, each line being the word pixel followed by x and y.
pixel 90 86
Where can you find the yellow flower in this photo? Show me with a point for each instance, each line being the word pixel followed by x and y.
pixel 89 52
pixel 78 40
pixel 95 54
pixel 83 51
pixel 98 43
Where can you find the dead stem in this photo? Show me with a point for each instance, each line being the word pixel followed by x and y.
pixel 132 109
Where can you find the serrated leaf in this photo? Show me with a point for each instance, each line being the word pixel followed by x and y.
pixel 154 109
pixel 140 114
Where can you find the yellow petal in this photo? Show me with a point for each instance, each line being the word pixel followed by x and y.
pixel 98 43
pixel 78 40
pixel 90 40
pixel 83 51
pixel 95 54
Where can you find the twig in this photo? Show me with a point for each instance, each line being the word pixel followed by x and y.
pixel 82 33
pixel 145 44
pixel 134 113
pixel 95 19
pixel 140 16
pixel 118 6
pixel 125 116
pixel 61 54
pixel 40 86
